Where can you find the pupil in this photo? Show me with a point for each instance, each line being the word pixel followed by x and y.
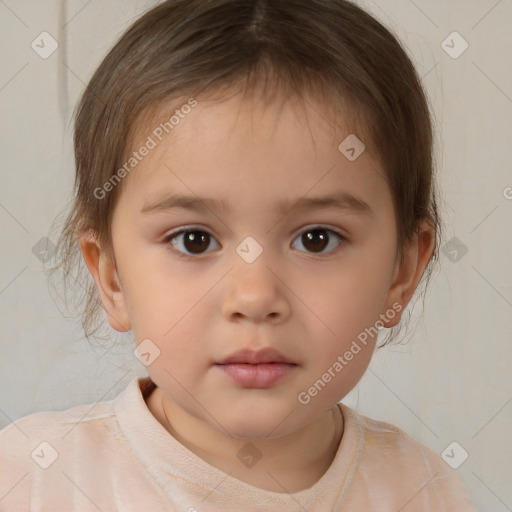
pixel 317 241
pixel 195 241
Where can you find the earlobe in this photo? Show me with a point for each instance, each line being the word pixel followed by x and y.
pixel 408 273
pixel 107 282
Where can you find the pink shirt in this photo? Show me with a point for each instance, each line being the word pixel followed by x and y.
pixel 116 456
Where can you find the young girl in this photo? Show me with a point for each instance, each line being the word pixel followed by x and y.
pixel 254 201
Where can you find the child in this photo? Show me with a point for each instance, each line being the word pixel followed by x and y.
pixel 254 200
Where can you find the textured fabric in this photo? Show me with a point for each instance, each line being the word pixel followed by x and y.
pixel 117 456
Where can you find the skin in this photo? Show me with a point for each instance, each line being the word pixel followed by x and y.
pixel 308 305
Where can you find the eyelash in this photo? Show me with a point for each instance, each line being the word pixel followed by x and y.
pixel 167 240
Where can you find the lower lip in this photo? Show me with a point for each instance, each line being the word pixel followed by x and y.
pixel 257 376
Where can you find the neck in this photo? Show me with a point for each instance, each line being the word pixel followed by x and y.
pixel 297 461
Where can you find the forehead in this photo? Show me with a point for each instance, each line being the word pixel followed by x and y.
pixel 244 141
pixel 322 111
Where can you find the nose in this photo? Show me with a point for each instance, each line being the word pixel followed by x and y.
pixel 256 293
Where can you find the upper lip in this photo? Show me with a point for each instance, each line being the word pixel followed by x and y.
pixel 248 356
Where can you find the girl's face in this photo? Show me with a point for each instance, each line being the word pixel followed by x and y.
pixel 258 264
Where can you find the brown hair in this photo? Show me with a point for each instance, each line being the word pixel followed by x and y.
pixel 330 49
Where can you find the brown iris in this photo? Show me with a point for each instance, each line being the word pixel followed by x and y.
pixel 196 241
pixel 315 240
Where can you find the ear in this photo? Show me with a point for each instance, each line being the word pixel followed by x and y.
pixel 408 272
pixel 107 282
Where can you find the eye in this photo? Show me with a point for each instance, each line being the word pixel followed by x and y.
pixel 316 239
pixel 189 242
pixel 194 240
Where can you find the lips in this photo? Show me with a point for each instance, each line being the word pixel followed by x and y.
pixel 263 356
pixel 257 369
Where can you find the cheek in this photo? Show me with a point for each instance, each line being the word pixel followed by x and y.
pixel 350 305
pixel 161 296
pixel 352 300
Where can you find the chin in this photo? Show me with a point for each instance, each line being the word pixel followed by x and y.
pixel 258 423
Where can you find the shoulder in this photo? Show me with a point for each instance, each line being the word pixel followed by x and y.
pixel 393 459
pixel 40 437
pixel 37 451
pixel 30 428
pixel 382 439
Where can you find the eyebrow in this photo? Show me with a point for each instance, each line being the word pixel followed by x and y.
pixel 342 201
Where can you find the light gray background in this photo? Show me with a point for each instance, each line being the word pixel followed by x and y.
pixel 452 382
